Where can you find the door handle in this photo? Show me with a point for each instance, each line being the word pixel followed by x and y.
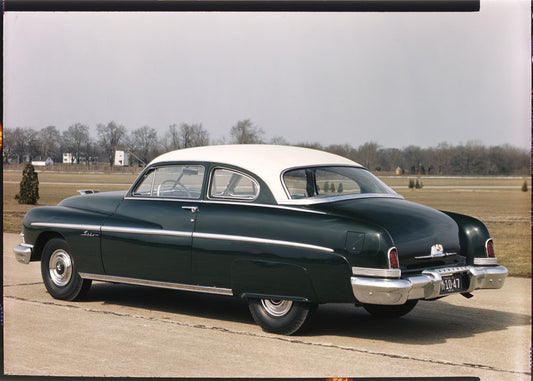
pixel 193 209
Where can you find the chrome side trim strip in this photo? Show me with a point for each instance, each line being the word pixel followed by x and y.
pixel 226 237
pixel 372 272
pixel 65 226
pixel 151 283
pixel 119 229
pixel 176 233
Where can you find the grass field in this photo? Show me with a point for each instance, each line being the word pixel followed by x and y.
pixel 498 202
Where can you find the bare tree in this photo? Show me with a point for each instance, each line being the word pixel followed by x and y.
pixel 50 143
pixel 185 136
pixel 367 155
pixel 171 141
pixel 279 140
pixel 20 142
pixel 143 143
pixel 109 137
pixel 75 137
pixel 193 135
pixel 244 132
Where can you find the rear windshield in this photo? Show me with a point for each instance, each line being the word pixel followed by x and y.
pixel 320 182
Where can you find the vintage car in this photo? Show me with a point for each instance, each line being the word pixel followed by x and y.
pixel 284 228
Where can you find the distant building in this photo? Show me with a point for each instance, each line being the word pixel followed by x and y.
pixel 68 158
pixel 121 158
pixel 399 171
pixel 47 162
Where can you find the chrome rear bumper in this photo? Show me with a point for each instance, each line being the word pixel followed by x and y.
pixel 426 285
pixel 23 252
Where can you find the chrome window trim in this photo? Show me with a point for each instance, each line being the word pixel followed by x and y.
pixel 333 198
pixel 155 198
pixel 158 284
pixel 137 183
pixel 242 199
pixel 373 272
pixel 314 201
pixel 282 175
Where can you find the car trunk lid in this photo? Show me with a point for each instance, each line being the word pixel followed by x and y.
pixel 424 237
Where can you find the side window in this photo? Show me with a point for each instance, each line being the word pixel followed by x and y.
pixel 173 181
pixel 226 183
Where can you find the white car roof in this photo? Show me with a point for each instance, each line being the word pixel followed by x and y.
pixel 265 161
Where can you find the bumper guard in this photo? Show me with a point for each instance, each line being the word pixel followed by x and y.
pixel 23 252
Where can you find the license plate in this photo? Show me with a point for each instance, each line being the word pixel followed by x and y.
pixel 451 283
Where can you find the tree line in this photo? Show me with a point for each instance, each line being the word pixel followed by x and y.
pixel 143 144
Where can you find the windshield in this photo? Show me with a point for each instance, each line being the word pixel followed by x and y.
pixel 320 182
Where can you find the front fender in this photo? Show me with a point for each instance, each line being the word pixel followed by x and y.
pixel 80 228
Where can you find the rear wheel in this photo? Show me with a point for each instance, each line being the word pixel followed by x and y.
pixel 385 311
pixel 283 317
pixel 58 269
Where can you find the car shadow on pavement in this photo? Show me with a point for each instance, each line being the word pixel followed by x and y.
pixel 429 323
pixel 225 308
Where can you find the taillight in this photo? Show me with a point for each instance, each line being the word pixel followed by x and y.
pixel 489 248
pixel 394 263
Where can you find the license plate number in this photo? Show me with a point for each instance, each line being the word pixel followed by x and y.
pixel 451 283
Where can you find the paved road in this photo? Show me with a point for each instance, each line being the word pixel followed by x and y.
pixel 133 331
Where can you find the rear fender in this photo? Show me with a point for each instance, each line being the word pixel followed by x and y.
pixel 473 235
pixel 269 279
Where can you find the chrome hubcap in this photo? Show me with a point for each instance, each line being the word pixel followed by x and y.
pixel 60 267
pixel 276 308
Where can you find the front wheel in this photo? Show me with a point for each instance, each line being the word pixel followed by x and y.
pixel 386 311
pixel 283 317
pixel 58 269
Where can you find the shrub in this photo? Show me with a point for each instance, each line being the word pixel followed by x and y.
pixel 418 184
pixel 340 189
pixel 29 186
pixel 411 183
pixel 524 186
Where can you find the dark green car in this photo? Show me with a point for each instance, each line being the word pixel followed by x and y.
pixel 284 228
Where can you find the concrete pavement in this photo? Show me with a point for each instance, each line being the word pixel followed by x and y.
pixel 124 330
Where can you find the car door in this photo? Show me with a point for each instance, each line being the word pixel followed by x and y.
pixel 150 234
pixel 223 221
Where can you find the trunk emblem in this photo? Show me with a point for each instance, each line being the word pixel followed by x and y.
pixel 437 251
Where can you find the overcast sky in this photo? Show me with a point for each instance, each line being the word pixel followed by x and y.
pixel 393 78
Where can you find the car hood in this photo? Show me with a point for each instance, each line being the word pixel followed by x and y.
pixel 414 228
pixel 102 202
